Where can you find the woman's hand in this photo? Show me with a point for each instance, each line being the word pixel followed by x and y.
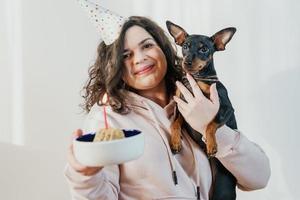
pixel 84 170
pixel 199 111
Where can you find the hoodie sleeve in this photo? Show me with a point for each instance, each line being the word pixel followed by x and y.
pixel 243 158
pixel 105 184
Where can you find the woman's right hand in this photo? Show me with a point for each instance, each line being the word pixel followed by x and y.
pixel 82 169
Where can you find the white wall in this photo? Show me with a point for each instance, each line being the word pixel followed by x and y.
pixel 5 78
pixel 260 69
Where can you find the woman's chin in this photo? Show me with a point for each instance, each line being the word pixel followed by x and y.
pixel 148 83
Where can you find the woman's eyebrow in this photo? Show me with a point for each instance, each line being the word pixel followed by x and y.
pixel 144 40
pixel 140 43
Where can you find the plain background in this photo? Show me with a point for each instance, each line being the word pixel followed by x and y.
pixel 47 46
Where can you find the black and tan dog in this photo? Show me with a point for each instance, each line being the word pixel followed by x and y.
pixel 197 51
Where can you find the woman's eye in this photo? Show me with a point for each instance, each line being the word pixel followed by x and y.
pixel 125 56
pixel 146 46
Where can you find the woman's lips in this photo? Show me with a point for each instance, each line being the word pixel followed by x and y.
pixel 144 69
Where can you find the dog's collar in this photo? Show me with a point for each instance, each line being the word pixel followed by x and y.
pixel 212 78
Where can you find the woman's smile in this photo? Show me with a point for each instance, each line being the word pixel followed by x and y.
pixel 144 70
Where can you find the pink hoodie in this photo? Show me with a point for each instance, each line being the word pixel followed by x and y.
pixel 151 176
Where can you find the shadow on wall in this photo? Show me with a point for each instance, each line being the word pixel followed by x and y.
pixel 280 113
pixel 277 120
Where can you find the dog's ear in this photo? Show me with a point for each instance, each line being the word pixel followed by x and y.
pixel 222 37
pixel 177 32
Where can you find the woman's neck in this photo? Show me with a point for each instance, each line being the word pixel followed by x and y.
pixel 157 94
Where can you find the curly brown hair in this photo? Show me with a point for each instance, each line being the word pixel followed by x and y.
pixel 105 76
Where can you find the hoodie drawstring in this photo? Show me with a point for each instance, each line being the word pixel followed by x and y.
pixel 170 155
pixel 196 167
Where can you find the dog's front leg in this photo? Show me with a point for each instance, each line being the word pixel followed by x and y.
pixel 211 143
pixel 176 134
pixel 176 129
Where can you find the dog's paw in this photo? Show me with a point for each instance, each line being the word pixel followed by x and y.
pixel 176 148
pixel 212 150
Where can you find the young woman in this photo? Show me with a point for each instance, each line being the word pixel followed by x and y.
pixel 139 72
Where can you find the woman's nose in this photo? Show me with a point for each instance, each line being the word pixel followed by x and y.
pixel 139 57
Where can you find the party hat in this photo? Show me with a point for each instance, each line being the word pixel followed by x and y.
pixel 108 23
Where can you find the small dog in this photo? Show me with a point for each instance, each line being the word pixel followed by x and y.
pixel 197 51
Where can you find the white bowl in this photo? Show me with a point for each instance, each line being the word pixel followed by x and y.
pixel 109 152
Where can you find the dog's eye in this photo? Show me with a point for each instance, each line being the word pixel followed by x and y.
pixel 203 49
pixel 185 46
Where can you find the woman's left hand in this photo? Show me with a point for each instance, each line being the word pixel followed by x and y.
pixel 198 111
